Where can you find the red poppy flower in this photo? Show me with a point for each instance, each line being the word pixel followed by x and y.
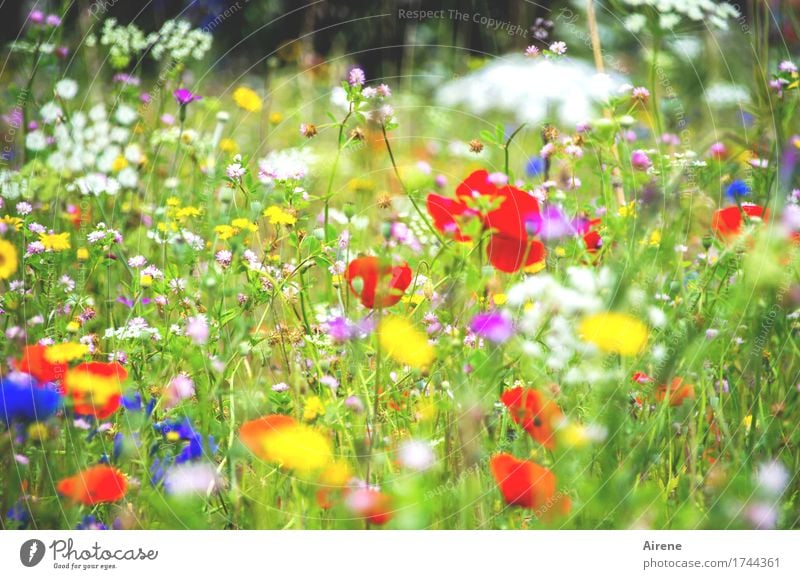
pixel 96 484
pixel 95 388
pixel 34 362
pixel 591 237
pixel 510 246
pixel 728 222
pixel 374 282
pixel 526 484
pixel 369 504
pixel 677 392
pixel 533 413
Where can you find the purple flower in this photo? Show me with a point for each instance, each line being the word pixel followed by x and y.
pixel 36 16
pixel 184 96
pixel 197 329
pixel 551 223
pixel 494 326
pixel 640 160
pixel 356 77
pixel 53 20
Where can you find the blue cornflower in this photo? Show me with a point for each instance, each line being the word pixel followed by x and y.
pixel 737 189
pixel 25 399
pixel 534 167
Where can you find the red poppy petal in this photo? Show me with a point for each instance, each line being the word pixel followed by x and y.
pixel 516 210
pixel 444 211
pixel 477 182
pixel 508 253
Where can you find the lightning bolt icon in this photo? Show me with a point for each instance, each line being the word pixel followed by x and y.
pixel 32 552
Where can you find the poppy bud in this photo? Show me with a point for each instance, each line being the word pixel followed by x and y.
pixel 707 240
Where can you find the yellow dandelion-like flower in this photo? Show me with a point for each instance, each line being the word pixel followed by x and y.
pixel 8 259
pixel 614 333
pixel 244 225
pixel 278 216
pixel 38 431
pixel 224 231
pixel 404 343
pixel 66 352
pixel 313 408
pixel 82 254
pixel 628 210
pixel 14 222
pixel 174 202
pixel 336 475
pixel 188 211
pixel 275 118
pixel 655 238
pixel 247 99
pixel 55 241
pixel 228 145
pixel 119 164
pixel 499 299
pixel 299 448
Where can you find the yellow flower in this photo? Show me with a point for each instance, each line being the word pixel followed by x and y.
pixel 224 231
pixel 313 408
pixel 228 145
pixel 499 299
pixel 336 475
pixel 55 241
pixel 66 352
pixel 404 343
pixel 119 164
pixel 655 238
pixel 8 259
pixel 628 210
pixel 73 327
pixel 145 280
pixel 173 202
pixel 82 254
pixel 278 216
pixel 275 118
pixel 37 431
pixel 14 222
pixel 298 447
pixel 536 267
pixel 247 99
pixel 243 224
pixel 188 211
pixel 614 333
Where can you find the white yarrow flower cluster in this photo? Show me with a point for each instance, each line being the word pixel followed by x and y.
pixel 671 13
pixel 178 41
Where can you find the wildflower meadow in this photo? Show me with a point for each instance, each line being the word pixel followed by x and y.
pixel 528 268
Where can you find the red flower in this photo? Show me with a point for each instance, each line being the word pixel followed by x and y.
pixel 533 413
pixel 591 237
pixel 34 362
pixel 95 388
pixel 677 392
pixel 96 484
pixel 526 484
pixel 728 222
pixel 510 246
pixel 253 432
pixel 374 282
pixel 369 504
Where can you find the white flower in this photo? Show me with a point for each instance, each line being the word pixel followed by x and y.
pixel 50 112
pixel 416 455
pixel 36 141
pixel 125 115
pixel 66 88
